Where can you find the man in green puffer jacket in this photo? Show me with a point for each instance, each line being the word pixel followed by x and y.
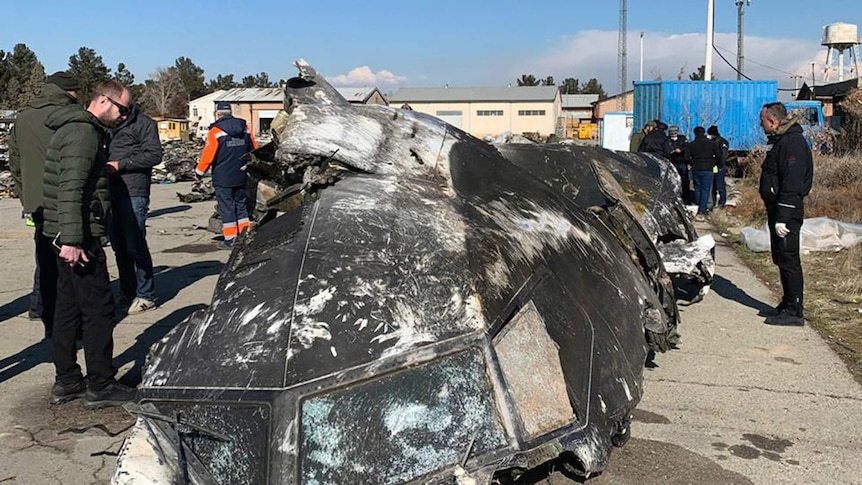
pixel 77 212
pixel 28 142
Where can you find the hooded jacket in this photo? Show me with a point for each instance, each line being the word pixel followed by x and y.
pixel 136 147
pixel 76 199
pixel 228 140
pixel 787 172
pixel 28 142
pixel 655 142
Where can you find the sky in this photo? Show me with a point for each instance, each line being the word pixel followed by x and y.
pixel 420 43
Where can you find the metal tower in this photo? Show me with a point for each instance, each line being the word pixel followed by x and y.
pixel 740 37
pixel 622 56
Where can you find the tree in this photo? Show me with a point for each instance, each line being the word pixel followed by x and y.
pixel 570 85
pixel 593 86
pixel 248 82
pixel 192 77
pixel 548 81
pixel 700 74
pixel 221 82
pixel 161 91
pixel 123 76
pixel 262 81
pixel 88 68
pixel 22 77
pixel 528 80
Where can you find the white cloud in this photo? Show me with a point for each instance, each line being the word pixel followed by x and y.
pixel 365 77
pixel 593 53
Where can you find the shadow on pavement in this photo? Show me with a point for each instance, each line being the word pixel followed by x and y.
pixel 26 359
pixel 15 307
pixel 155 332
pixel 726 289
pixel 168 210
pixel 170 281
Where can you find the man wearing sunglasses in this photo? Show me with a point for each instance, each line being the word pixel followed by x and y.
pixel 77 211
pixel 134 149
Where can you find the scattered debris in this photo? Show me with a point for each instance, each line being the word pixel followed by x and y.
pixel 179 161
pixel 396 302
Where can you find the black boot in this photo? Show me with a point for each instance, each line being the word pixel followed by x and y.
pixel 114 394
pixel 772 312
pixel 63 393
pixel 789 316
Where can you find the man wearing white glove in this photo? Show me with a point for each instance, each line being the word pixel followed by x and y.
pixel 785 180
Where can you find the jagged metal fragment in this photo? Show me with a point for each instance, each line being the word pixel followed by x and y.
pixel 385 328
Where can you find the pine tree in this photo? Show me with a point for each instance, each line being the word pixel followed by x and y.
pixel 88 68
pixel 24 77
pixel 192 77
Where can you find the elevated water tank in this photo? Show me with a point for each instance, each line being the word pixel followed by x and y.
pixel 840 34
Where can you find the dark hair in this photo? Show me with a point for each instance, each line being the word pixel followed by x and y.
pixel 699 131
pixel 776 110
pixel 712 130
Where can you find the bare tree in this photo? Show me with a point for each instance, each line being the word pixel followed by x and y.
pixel 161 90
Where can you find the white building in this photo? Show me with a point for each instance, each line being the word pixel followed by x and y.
pixel 202 113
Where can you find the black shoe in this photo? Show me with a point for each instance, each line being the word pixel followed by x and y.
pixel 34 315
pixel 226 245
pixel 114 394
pixel 772 312
pixel 786 318
pixel 61 393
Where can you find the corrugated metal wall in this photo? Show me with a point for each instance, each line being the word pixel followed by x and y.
pixel 733 106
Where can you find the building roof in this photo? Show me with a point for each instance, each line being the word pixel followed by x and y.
pixel 616 96
pixel 356 95
pixel 252 95
pixel 208 97
pixel 828 90
pixel 438 95
pixel 575 101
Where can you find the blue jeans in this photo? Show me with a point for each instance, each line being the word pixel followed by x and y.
pixel 702 187
pixel 129 240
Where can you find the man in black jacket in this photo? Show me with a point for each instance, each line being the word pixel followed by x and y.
pixel 134 150
pixel 702 154
pixel 28 143
pixel 785 180
pixel 655 141
pixel 676 149
pixel 719 186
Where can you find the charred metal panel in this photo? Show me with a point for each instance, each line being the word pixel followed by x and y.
pixel 535 378
pixel 399 427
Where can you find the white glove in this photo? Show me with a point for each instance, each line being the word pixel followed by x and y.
pixel 781 229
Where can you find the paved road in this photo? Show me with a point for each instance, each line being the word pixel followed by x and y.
pixel 739 403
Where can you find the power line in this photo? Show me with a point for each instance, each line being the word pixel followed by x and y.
pixel 760 63
pixel 743 75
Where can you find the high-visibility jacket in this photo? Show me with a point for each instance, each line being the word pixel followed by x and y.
pixel 228 140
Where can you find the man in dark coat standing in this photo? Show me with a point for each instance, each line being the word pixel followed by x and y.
pixel 28 143
pixel 134 149
pixel 785 180
pixel 228 140
pixel 77 213
pixel 719 184
pixel 702 154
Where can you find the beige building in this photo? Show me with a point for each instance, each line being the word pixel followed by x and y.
pixel 202 113
pixel 363 96
pixel 488 111
pixel 613 104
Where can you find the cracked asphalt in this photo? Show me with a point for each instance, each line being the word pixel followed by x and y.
pixel 738 403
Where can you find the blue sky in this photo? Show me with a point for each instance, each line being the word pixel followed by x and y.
pixel 424 43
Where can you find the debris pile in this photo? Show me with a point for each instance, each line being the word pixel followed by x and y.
pixel 178 163
pixel 6 183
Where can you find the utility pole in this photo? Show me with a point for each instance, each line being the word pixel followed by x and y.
pixel 796 79
pixel 622 56
pixel 740 37
pixel 641 77
pixel 710 28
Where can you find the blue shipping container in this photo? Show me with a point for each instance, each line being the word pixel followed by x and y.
pixel 733 106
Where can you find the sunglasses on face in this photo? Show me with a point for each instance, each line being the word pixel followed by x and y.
pixel 124 110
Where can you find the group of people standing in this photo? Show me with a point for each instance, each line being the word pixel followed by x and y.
pixel 83 174
pixel 787 174
pixel 701 161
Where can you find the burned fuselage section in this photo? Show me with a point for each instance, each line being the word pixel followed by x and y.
pixel 427 309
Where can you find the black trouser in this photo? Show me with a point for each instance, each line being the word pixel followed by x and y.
pixel 84 300
pixel 45 276
pixel 785 254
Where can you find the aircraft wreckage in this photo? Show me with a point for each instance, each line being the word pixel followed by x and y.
pixel 427 309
